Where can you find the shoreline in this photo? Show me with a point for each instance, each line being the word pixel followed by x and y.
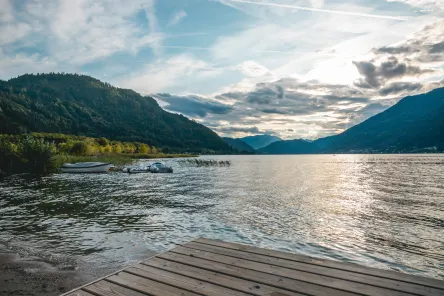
pixel 19 276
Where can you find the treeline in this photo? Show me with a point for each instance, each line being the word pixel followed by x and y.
pixel 86 146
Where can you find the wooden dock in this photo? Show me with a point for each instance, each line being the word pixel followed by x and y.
pixel 217 268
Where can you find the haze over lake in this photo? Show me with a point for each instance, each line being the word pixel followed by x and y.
pixel 383 211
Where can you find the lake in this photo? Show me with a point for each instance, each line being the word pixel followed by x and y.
pixel 385 211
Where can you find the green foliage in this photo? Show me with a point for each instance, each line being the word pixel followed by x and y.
pixel 143 149
pixel 84 106
pixel 26 154
pixel 79 148
pixel 102 141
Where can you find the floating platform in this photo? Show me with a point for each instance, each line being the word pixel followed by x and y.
pixel 217 268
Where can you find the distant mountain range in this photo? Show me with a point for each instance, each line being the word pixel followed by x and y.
pixel 260 141
pixel 239 145
pixel 414 124
pixel 82 105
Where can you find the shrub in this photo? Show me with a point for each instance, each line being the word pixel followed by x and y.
pixel 29 155
pixel 37 155
pixel 143 148
pixel 79 148
pixel 102 142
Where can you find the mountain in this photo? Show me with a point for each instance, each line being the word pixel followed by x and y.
pixel 260 141
pixel 239 145
pixel 288 147
pixel 82 105
pixel 414 124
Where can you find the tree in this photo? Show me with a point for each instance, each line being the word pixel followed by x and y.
pixel 102 141
pixel 166 149
pixel 144 149
pixel 79 148
pixel 117 148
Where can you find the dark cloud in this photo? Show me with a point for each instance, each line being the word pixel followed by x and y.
pixel 273 111
pixel 233 129
pixel 437 48
pixel 193 105
pixel 375 76
pixel 231 95
pixel 399 87
pixel 262 96
pixel 290 130
pixel 281 91
pixel 396 49
pixel 426 46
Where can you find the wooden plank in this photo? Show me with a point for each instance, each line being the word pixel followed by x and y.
pixel 80 293
pixel 181 282
pixel 329 263
pixel 250 287
pixel 290 273
pixel 320 270
pixel 146 286
pixel 104 288
pixel 252 275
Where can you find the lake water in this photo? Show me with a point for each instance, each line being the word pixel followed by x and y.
pixel 385 211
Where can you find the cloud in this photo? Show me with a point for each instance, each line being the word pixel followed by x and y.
pixel 79 32
pixel 164 73
pixel 252 69
pixel 400 87
pixel 177 18
pixel 426 46
pixel 350 13
pixel 425 5
pixel 239 129
pixel 193 105
pixel 6 11
pixel 377 75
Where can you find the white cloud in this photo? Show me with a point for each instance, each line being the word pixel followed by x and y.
pixel 252 69
pixel 13 32
pixel 177 18
pixel 425 5
pixel 158 76
pixel 79 32
pixel 6 14
pixel 11 66
pixel 331 11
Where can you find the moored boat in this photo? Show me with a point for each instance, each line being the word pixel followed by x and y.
pixel 86 167
pixel 159 167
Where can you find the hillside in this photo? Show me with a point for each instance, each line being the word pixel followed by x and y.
pixel 414 124
pixel 81 105
pixel 288 147
pixel 239 145
pixel 260 141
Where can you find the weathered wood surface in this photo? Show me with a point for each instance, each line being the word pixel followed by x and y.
pixel 217 268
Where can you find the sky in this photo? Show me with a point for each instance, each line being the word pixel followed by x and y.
pixel 290 68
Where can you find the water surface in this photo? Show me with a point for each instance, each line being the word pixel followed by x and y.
pixel 385 211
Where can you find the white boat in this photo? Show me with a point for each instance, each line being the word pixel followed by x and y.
pixel 86 167
pixel 136 170
pixel 159 167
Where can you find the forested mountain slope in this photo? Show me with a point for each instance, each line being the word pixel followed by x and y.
pixel 82 105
